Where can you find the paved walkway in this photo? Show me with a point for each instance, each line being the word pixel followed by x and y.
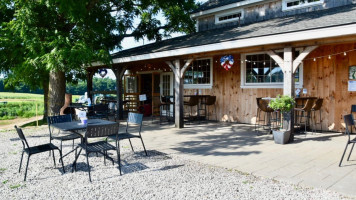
pixel 310 161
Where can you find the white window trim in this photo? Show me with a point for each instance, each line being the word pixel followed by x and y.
pixel 217 16
pixel 243 83
pixel 202 86
pixel 285 8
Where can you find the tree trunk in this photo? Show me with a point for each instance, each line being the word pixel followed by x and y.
pixel 45 99
pixel 57 89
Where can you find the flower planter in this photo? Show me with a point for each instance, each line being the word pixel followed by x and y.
pixel 281 136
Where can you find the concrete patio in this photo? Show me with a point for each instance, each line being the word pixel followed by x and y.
pixel 311 161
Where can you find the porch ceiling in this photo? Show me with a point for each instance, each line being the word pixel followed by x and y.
pixel 337 22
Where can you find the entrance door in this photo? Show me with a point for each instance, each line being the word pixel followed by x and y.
pixel 167 86
pixel 131 101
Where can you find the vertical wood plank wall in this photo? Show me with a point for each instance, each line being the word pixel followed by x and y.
pixel 324 78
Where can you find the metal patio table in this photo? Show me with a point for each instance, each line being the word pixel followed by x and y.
pixel 77 126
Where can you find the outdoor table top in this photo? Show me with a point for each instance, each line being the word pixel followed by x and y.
pixel 305 98
pixel 196 95
pixel 77 125
pixel 80 106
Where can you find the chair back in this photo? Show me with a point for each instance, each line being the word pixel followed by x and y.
pixel 193 101
pixel 94 131
pixel 210 100
pixel 263 105
pixel 22 137
pixel 57 119
pixel 349 121
pixel 353 108
pixel 317 105
pixel 308 105
pixel 134 119
pixel 101 108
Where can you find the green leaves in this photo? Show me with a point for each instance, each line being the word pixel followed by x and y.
pixel 283 103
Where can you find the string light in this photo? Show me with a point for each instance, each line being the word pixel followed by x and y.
pixel 329 57
pixel 314 59
pixel 264 63
pixel 345 53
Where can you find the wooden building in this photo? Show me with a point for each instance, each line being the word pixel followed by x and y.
pixel 272 43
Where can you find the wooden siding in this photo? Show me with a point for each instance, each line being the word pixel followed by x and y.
pixel 325 78
pixel 265 11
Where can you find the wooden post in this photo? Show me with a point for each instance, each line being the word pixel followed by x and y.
pixel 119 73
pixel 179 90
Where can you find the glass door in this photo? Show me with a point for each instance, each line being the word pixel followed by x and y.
pixel 167 87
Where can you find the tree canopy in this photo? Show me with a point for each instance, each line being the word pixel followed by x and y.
pixel 39 37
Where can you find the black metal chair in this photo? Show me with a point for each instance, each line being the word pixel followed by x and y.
pixel 134 122
pixel 96 131
pixel 100 111
pixel 353 110
pixel 35 150
pixel 349 122
pixel 61 136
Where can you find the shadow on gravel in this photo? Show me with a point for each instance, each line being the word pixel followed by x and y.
pixel 169 167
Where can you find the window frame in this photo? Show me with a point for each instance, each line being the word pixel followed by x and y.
pixel 243 83
pixel 285 8
pixel 201 86
pixel 217 16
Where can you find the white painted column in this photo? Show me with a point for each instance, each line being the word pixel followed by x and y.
pixel 289 83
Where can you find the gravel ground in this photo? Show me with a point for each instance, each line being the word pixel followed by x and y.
pixel 158 176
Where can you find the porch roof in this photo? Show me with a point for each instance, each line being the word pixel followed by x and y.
pixel 334 22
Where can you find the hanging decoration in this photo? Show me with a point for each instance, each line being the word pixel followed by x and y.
pixel 103 72
pixel 227 62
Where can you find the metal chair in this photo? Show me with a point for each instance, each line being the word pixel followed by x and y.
pixel 134 122
pixel 35 150
pixel 193 101
pixel 317 107
pixel 61 136
pixel 353 110
pixel 349 122
pixel 96 131
pixel 99 111
pixel 304 114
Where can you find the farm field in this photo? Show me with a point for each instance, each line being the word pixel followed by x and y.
pixel 21 107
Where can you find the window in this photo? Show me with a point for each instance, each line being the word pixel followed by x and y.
pixel 229 17
pixel 294 4
pixel 199 74
pixel 259 70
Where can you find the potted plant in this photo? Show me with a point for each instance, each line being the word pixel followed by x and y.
pixel 284 104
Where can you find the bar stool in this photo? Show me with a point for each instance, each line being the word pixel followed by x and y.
pixel 156 108
pixel 304 113
pixel 317 107
pixel 210 101
pixel 267 119
pixel 193 101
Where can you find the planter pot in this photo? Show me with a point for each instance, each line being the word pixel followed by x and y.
pixel 281 136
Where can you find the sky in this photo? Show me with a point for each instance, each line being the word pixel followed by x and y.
pixel 131 43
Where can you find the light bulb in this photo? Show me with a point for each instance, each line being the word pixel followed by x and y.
pixel 329 57
pixel 345 54
pixel 314 59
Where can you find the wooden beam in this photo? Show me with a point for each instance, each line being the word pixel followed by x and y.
pixel 288 85
pixel 301 57
pixel 186 65
pixel 173 67
pixel 276 58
